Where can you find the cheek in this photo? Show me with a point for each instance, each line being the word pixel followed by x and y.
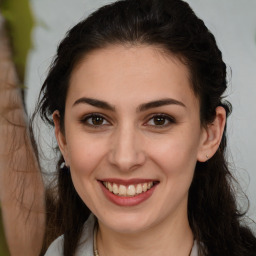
pixel 176 155
pixel 85 153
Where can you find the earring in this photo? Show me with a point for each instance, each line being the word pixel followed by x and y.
pixel 63 165
pixel 207 157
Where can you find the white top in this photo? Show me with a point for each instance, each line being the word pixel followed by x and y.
pixel 85 247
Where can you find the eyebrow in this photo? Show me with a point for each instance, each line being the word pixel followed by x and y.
pixel 95 103
pixel 159 103
pixel 143 107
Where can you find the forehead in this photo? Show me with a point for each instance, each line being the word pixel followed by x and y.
pixel 137 73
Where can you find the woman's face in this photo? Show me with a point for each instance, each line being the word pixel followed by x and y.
pixel 132 136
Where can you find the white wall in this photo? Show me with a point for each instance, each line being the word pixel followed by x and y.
pixel 233 22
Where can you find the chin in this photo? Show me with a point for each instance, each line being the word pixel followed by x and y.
pixel 127 223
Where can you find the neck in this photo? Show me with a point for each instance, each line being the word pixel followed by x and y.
pixel 174 239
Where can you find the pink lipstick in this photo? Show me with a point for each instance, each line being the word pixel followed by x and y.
pixel 128 192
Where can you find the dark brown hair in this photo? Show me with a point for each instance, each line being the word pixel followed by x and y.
pixel 171 24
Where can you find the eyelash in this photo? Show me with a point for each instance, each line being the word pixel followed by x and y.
pixel 85 119
pixel 170 120
pixel 166 118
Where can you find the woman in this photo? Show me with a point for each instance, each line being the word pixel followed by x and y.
pixel 135 95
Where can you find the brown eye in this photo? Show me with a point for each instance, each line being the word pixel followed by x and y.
pixel 94 120
pixel 159 121
pixel 97 120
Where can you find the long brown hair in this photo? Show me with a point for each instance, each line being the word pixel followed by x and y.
pixel 171 24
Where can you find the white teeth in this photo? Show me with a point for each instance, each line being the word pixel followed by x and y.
pixel 122 190
pixel 139 189
pixel 115 189
pixel 131 190
pixel 109 186
pixel 145 187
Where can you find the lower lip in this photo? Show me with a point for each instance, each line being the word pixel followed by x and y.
pixel 127 201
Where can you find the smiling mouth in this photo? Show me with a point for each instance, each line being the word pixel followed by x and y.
pixel 130 190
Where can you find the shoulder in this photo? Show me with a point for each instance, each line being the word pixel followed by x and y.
pixel 85 246
pixel 56 247
pixel 194 251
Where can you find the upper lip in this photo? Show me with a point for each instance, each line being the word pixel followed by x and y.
pixel 127 182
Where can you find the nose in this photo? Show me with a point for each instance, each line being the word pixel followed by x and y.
pixel 126 151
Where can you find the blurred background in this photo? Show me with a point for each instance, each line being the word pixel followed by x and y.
pixel 36 27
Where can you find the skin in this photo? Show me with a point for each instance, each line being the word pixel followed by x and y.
pixel 130 143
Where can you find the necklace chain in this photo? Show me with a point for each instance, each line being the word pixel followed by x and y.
pixel 95 250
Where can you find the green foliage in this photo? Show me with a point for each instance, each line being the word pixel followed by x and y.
pixel 3 246
pixel 20 23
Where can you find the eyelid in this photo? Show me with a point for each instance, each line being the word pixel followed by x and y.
pixel 171 120
pixel 86 117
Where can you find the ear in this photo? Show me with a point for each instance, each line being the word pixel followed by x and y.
pixel 212 135
pixel 60 136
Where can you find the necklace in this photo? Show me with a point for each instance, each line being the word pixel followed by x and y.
pixel 95 250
